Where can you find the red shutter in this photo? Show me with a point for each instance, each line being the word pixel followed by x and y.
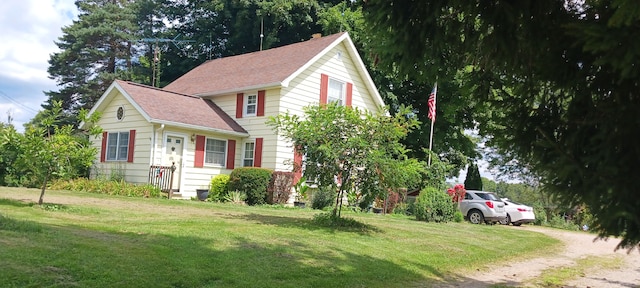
pixel 260 111
pixel 297 165
pixel 257 156
pixel 103 152
pixel 349 94
pixel 231 154
pixel 199 161
pixel 132 142
pixel 324 88
pixel 239 104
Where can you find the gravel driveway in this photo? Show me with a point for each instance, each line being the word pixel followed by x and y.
pixel 578 245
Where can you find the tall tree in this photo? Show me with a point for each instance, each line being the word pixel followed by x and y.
pixel 473 180
pixel 94 50
pixel 557 82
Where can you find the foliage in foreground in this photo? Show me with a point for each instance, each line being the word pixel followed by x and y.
pixel 567 116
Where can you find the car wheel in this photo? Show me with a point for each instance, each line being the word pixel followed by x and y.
pixel 506 221
pixel 476 217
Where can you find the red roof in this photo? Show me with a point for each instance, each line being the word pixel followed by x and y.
pixel 250 70
pixel 165 106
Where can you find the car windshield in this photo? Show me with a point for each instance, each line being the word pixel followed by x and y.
pixel 488 196
pixel 515 203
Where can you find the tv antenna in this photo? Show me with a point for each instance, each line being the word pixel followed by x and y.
pixel 155 46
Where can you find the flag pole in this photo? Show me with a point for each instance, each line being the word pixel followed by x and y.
pixel 432 116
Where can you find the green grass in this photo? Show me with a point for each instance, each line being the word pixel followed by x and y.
pixel 557 276
pixel 79 239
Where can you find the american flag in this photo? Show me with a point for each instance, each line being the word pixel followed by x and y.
pixel 432 103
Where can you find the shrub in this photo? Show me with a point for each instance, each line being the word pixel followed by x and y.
pixel 280 187
pixel 218 187
pixel 235 197
pixel 331 220
pixel 100 186
pixel 434 206
pixel 402 208
pixel 252 181
pixel 458 217
pixel 323 198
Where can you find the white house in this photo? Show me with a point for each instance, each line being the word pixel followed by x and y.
pixel 212 119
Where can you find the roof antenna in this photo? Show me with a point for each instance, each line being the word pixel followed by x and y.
pixel 261 31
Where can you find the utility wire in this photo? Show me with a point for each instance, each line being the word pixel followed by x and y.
pixel 25 107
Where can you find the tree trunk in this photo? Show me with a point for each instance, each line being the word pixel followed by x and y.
pixel 44 186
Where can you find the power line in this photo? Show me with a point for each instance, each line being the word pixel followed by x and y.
pixel 25 107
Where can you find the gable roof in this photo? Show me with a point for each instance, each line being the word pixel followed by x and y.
pixel 165 107
pixel 268 68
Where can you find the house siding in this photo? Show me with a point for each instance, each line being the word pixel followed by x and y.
pixel 306 89
pixel 192 177
pixel 255 125
pixel 138 170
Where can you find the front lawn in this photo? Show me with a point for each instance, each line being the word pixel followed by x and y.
pixel 78 239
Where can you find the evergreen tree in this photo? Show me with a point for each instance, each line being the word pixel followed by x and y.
pixel 473 181
pixel 556 84
pixel 94 50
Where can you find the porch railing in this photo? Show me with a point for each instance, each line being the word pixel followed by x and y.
pixel 162 177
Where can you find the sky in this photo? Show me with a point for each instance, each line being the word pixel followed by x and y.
pixel 28 29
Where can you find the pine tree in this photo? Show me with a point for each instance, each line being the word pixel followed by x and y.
pixel 95 50
pixel 473 180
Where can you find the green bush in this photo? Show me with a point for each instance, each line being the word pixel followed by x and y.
pixel 324 197
pixel 401 208
pixel 434 205
pixel 458 217
pixel 218 187
pixel 253 181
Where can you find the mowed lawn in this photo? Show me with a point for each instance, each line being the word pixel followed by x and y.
pixel 80 239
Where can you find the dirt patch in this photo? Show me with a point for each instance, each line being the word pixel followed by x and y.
pixel 577 245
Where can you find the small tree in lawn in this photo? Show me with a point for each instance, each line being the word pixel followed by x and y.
pixel 51 152
pixel 351 150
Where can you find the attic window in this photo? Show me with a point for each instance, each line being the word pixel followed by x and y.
pixel 339 55
pixel 336 91
pixel 120 113
pixel 250 105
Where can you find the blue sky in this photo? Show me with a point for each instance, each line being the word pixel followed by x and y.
pixel 28 29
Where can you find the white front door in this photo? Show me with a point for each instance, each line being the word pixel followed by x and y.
pixel 173 156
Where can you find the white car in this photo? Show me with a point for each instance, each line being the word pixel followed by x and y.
pixel 517 214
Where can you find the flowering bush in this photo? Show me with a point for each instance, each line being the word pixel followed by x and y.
pixel 457 193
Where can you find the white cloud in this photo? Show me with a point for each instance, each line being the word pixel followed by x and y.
pixel 29 29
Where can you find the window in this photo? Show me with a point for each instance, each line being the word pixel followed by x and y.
pixel 336 91
pixel 215 152
pixel 117 146
pixel 248 155
pixel 120 113
pixel 250 105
